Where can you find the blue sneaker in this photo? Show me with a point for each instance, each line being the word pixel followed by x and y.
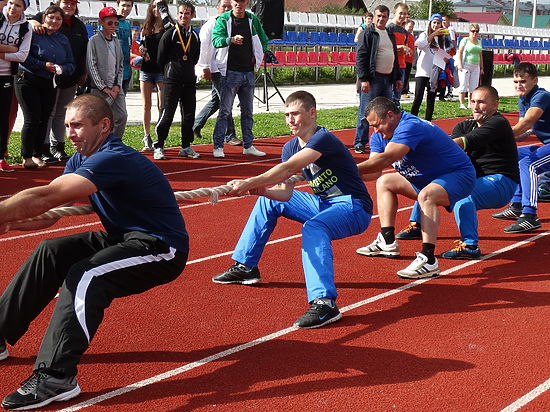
pixel 462 251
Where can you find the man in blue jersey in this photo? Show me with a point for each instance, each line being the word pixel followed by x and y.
pixel 145 244
pixel 534 112
pixel 431 168
pixel 340 207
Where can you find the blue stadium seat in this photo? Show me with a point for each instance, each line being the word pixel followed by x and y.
pixel 323 38
pixel 486 43
pixel 546 45
pixel 90 30
pixel 314 38
pixel 342 39
pixel 351 39
pixel 301 38
pixel 291 37
pixel 333 38
pixel 500 43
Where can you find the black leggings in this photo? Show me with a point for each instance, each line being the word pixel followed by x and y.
pixel 6 97
pixel 423 83
pixel 36 97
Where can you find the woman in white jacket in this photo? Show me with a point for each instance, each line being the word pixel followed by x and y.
pixel 427 44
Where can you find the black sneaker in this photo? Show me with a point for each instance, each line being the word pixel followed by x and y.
pixel 58 151
pixel 525 223
pixel 320 313
pixel 510 213
pixel 411 232
pixel 3 350
pixel 47 156
pixel 361 149
pixel 238 274
pixel 544 194
pixel 41 389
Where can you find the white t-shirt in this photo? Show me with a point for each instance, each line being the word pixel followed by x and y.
pixel 384 55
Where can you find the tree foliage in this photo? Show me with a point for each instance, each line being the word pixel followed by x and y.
pixel 420 10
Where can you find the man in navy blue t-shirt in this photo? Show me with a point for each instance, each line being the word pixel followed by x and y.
pixel 534 112
pixel 145 244
pixel 431 168
pixel 340 206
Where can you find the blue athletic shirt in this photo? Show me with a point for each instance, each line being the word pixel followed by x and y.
pixel 433 153
pixel 335 173
pixel 133 194
pixel 538 97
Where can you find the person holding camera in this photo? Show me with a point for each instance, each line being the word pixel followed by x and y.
pixel 241 42
pixel 178 53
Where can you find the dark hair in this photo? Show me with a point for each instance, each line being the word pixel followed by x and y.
pixel 152 24
pixel 54 8
pixel 382 9
pixel 438 41
pixel 526 68
pixel 381 105
pixel 58 2
pixel 488 89
pixel 118 2
pixel 369 14
pixel 93 107
pixel 187 5
pixel 306 98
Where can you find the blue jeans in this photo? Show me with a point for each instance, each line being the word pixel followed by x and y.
pixel 533 160
pixel 380 85
pixel 490 192
pixel 323 221
pixel 212 107
pixel 396 95
pixel 235 84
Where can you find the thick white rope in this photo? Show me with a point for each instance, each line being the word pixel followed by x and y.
pixel 213 192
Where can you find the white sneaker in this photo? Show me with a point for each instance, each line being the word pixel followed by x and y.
pixel 419 268
pixel 218 152
pixel 463 107
pixel 380 248
pixel 158 154
pixel 253 151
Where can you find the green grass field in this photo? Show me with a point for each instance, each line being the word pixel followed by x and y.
pixel 272 125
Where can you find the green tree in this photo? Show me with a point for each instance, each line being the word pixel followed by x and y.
pixel 420 10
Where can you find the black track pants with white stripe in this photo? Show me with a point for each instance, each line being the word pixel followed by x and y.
pixel 91 269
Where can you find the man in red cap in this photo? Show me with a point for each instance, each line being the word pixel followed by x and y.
pixel 105 67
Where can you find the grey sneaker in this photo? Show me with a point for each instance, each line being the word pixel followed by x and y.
pixel 188 152
pixel 510 213
pixel 41 389
pixel 253 151
pixel 238 274
pixel 525 223
pixel 3 350
pixel 147 143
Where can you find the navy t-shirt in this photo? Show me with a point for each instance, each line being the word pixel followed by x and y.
pixel 133 194
pixel 538 97
pixel 335 173
pixel 432 152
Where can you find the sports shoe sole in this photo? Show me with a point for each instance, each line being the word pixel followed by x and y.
pixel 65 396
pixel 523 229
pixel 430 274
pixel 380 253
pixel 331 320
pixel 238 282
pixel 460 257
pixel 4 354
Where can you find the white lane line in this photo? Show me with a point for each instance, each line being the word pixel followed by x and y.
pixel 528 397
pixel 282 332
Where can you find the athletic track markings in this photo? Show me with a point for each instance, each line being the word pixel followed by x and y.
pixel 193 365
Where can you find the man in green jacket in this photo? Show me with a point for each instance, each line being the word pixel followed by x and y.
pixel 241 42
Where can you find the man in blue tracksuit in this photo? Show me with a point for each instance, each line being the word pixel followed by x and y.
pixel 340 207
pixel 534 111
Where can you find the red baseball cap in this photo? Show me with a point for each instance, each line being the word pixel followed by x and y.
pixel 108 12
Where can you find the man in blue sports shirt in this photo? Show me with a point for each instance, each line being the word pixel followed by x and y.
pixel 431 168
pixel 145 244
pixel 534 112
pixel 339 207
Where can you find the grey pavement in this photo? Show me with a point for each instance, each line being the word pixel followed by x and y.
pixel 328 96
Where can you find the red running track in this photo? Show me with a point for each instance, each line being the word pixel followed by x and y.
pixel 475 339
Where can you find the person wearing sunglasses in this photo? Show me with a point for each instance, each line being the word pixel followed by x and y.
pixel 470 63
pixel 104 61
